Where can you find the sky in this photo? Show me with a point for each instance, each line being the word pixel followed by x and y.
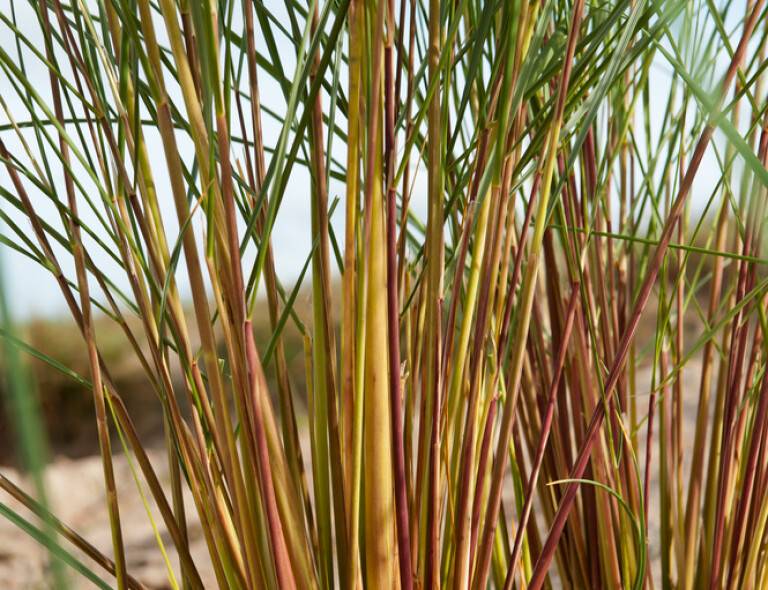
pixel 31 288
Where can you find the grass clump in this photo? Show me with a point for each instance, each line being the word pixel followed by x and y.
pixel 523 277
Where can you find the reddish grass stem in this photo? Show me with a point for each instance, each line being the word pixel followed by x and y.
pixel 577 472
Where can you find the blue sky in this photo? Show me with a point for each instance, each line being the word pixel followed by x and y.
pixel 33 291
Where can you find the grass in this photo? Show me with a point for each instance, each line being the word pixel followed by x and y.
pixel 538 198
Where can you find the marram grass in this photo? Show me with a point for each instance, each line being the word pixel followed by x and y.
pixel 545 361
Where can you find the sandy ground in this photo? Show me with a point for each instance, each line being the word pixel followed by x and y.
pixel 77 497
pixel 81 505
